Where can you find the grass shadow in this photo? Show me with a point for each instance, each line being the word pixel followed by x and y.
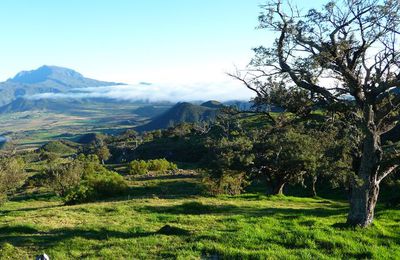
pixel 170 189
pixel 197 208
pixel 5 212
pixel 34 197
pixel 26 236
pixel 190 208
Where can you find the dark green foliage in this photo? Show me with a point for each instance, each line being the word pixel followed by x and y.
pixel 179 144
pixel 229 157
pixel 228 182
pixel 181 113
pixel 285 156
pixel 91 138
pixel 12 175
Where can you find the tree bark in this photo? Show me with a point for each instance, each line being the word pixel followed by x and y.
pixel 314 188
pixel 278 188
pixel 365 187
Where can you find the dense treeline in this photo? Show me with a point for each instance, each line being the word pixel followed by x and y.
pixel 240 152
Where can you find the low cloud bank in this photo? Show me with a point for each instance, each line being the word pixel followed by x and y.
pixel 158 92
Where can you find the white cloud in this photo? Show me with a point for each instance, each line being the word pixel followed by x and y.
pixel 222 91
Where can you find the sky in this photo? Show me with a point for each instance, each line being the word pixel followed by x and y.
pixel 181 42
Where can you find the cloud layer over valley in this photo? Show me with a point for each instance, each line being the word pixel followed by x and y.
pixel 158 92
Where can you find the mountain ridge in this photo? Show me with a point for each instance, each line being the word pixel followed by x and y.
pixel 45 79
pixel 182 112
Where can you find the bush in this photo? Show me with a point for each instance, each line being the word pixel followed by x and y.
pixel 84 179
pixel 107 184
pixel 138 167
pixel 96 186
pixel 12 175
pixel 161 166
pixel 158 165
pixel 230 182
pixel 63 177
pixel 79 194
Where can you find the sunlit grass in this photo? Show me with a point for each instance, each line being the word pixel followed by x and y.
pixel 250 226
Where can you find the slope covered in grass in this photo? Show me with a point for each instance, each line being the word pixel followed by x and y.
pixel 167 217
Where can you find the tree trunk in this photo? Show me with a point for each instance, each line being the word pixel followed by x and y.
pixel 278 188
pixel 362 203
pixel 314 188
pixel 365 187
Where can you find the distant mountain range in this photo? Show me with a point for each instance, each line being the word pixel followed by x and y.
pixel 22 93
pixel 184 113
pixel 46 79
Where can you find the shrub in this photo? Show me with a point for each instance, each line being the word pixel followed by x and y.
pixel 230 182
pixel 12 174
pixel 138 167
pixel 79 194
pixel 107 183
pixel 96 186
pixel 49 156
pixel 63 177
pixel 84 179
pixel 161 165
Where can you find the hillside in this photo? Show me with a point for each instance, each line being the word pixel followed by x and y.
pixel 58 105
pixel 213 104
pixel 181 113
pixel 46 79
pixel 167 218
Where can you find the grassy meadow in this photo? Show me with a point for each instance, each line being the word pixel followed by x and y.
pixel 169 217
pixel 29 130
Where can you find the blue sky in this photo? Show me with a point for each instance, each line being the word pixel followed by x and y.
pixel 182 41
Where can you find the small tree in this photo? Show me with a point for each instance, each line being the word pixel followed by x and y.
pixel 12 174
pixel 345 55
pixel 229 158
pixel 62 177
pixel 103 153
pixel 138 167
pixel 285 156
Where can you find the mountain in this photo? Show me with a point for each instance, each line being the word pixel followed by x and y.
pixel 181 113
pixel 151 111
pixel 53 105
pixel 241 105
pixel 46 79
pixel 213 104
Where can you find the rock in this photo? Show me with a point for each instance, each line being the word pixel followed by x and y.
pixel 169 230
pixel 42 257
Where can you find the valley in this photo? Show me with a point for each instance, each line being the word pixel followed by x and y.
pixel 205 130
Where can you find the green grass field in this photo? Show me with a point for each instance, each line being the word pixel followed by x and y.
pixel 30 130
pixel 251 226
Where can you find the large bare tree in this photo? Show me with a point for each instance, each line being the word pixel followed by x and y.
pixel 346 54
